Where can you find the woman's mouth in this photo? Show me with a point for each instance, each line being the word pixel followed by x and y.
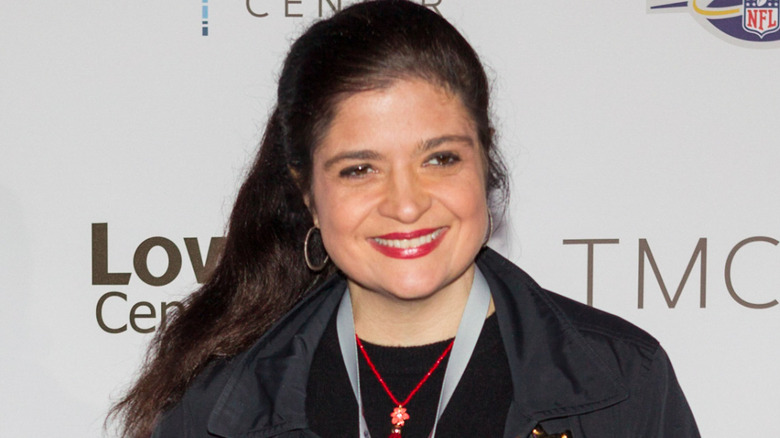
pixel 408 245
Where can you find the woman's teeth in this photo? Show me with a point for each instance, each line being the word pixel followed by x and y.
pixel 409 243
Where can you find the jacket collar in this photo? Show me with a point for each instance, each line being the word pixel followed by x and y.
pixel 555 372
pixel 266 393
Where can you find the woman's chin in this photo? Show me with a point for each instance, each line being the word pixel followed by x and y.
pixel 417 286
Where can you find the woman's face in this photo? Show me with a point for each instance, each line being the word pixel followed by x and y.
pixel 398 190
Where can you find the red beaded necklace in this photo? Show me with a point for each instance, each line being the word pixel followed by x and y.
pixel 399 415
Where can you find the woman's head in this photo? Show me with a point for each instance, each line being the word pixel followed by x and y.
pixel 370 46
pixel 371 51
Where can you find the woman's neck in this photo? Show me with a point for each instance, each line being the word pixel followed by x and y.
pixel 384 319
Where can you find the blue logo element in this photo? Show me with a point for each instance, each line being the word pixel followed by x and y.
pixel 205 16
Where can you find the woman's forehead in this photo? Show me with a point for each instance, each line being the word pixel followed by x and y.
pixel 405 113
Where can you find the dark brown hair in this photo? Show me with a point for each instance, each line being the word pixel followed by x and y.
pixel 261 273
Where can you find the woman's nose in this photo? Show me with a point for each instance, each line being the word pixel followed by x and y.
pixel 405 197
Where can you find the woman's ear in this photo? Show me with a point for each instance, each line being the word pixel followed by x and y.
pixel 306 195
pixel 310 205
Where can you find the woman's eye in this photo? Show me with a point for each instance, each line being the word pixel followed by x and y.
pixel 442 159
pixel 358 171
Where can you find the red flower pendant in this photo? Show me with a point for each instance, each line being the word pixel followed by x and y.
pixel 399 417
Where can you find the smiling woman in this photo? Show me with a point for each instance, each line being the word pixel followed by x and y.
pixel 399 192
pixel 356 296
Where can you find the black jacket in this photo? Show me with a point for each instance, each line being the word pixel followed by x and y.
pixel 573 368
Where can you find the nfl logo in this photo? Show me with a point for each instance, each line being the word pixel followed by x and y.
pixel 761 16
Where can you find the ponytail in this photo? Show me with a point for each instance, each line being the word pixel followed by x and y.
pixel 261 274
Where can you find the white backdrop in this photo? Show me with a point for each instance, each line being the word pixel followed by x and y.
pixel 653 130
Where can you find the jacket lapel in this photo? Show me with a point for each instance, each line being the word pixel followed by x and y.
pixel 266 395
pixel 555 373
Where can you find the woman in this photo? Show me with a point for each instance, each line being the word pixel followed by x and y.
pixel 355 294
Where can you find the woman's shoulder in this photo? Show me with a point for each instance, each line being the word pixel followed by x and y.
pixel 247 384
pixel 623 346
pixel 584 318
pixel 598 323
pixel 607 338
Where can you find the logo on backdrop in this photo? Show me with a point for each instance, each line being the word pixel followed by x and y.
pixel 204 13
pixel 120 311
pixel 748 23
pixel 298 8
pixel 760 17
pixel 741 295
pixel 295 8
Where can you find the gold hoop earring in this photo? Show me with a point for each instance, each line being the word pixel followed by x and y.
pixel 490 229
pixel 309 264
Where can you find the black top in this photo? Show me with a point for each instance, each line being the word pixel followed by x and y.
pixel 478 407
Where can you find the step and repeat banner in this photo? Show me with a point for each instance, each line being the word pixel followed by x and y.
pixel 642 139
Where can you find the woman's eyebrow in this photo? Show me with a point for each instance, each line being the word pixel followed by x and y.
pixel 437 141
pixel 363 154
pixel 368 154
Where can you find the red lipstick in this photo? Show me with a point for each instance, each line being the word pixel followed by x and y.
pixel 409 235
pixel 397 245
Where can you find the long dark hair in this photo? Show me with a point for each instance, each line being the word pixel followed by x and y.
pixel 262 273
